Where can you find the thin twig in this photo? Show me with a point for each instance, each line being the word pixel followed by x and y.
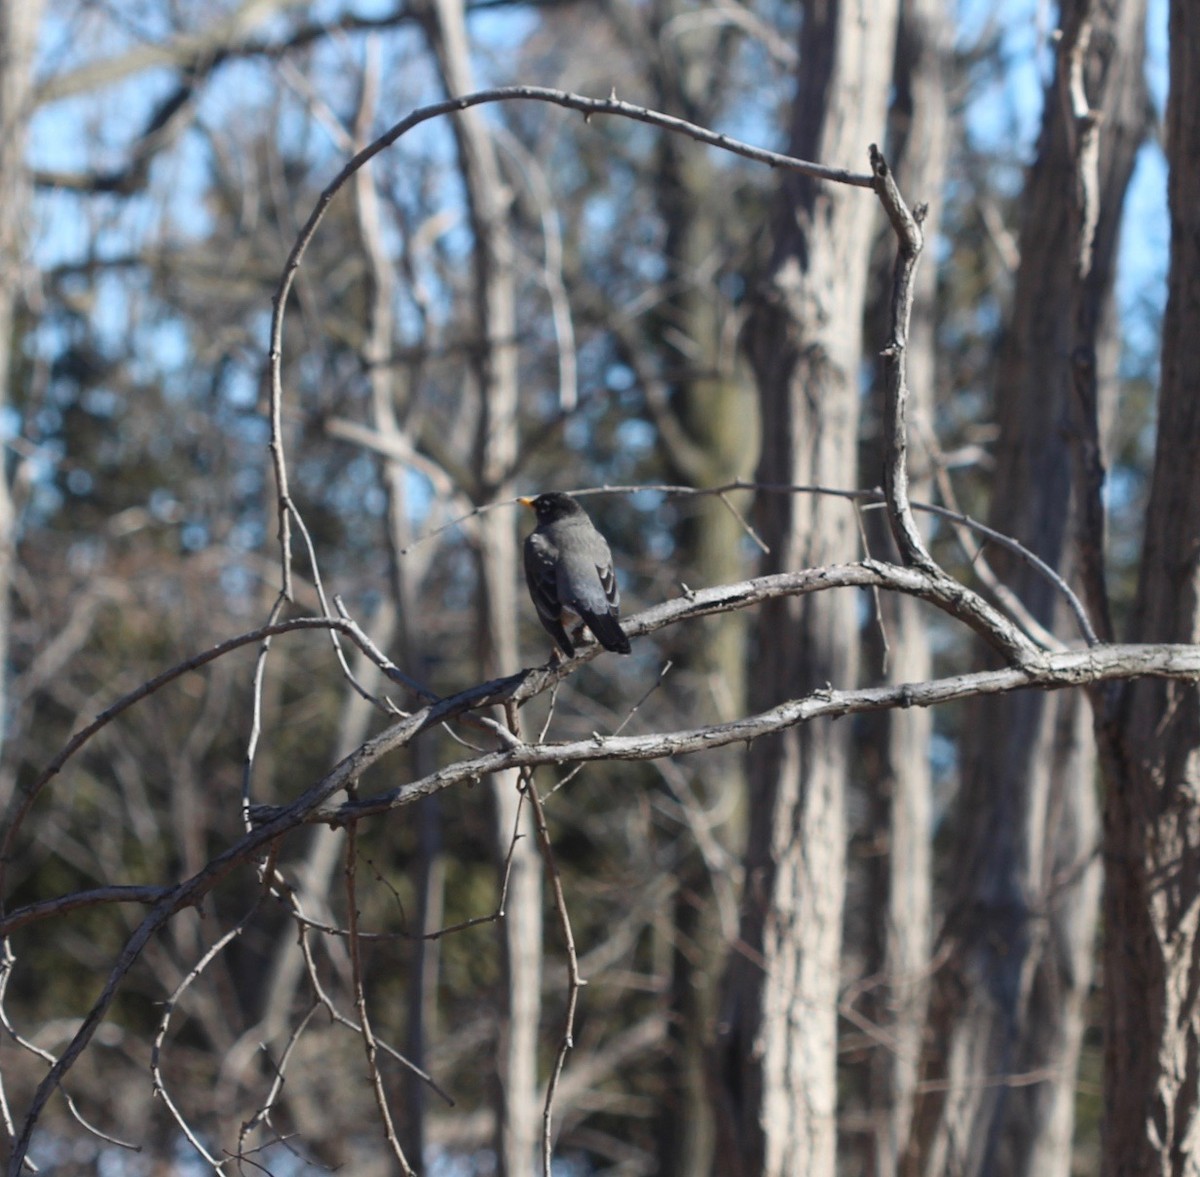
pixel 574 982
pixel 263 1115
pixel 536 184
pixel 303 925
pixel 360 1003
pixel 589 107
pixel 975 557
pixel 759 541
pixel 23 801
pixel 326 611
pixel 156 1079
pixel 661 677
pixel 6 972
pixel 256 694
pixel 873 495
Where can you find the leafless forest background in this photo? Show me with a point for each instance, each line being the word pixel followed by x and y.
pixel 880 855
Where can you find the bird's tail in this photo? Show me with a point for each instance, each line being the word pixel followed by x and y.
pixel 608 632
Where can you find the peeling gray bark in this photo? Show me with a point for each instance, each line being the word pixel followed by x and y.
pixel 896 749
pixel 1021 926
pixel 778 1035
pixel 1150 735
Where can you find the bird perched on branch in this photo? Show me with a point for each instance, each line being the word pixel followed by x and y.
pixel 569 570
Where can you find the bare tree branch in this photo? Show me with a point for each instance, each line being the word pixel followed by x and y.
pixel 588 107
pixel 574 981
pixel 77 900
pixel 1053 671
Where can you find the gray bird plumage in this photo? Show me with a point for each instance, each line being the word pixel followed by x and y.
pixel 569 570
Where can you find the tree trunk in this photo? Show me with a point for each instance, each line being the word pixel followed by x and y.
pixel 896 763
pixel 407 570
pixel 777 1039
pixel 707 438
pixel 1151 734
pixel 488 196
pixel 18 39
pixel 1020 929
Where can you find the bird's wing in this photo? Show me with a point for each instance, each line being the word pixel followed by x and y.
pixel 542 577
pixel 586 582
pixel 587 585
pixel 608 582
pixel 595 598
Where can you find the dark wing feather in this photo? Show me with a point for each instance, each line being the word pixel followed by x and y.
pixel 594 595
pixel 542 579
pixel 608 631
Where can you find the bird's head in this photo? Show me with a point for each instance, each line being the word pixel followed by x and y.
pixel 552 506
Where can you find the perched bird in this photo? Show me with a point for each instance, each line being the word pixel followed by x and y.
pixel 570 574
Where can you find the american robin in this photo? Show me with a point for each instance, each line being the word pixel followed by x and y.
pixel 569 570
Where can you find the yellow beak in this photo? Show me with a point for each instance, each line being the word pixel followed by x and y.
pixel 526 503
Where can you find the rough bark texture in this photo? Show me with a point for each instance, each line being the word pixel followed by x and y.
pixel 778 1034
pixel 18 36
pixel 1020 932
pixel 402 621
pixel 518 1108
pixel 708 438
pixel 896 745
pixel 1151 746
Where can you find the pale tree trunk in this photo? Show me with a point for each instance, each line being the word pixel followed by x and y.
pixel 518 1111
pixel 707 438
pixel 1151 740
pixel 896 760
pixel 407 570
pixel 715 443
pixel 778 1039
pixel 1008 1004
pixel 18 38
